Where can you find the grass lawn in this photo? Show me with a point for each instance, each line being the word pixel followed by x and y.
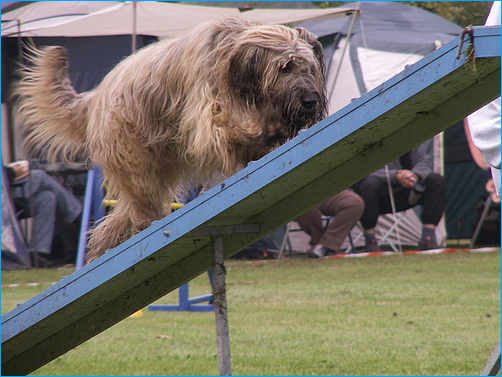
pixel 379 315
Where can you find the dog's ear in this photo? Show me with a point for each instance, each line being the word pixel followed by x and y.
pixel 311 39
pixel 245 75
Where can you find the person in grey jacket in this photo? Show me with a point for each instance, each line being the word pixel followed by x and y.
pixel 50 199
pixel 413 182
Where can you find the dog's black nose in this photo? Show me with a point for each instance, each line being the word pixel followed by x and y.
pixel 309 102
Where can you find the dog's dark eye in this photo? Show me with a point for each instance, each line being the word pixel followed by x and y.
pixel 286 68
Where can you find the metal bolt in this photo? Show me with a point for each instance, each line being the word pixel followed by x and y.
pixel 167 233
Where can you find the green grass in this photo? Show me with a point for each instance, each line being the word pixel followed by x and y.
pixel 382 315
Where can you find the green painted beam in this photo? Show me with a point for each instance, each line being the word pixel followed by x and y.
pixel 410 108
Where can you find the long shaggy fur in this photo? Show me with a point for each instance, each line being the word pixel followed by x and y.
pixel 184 110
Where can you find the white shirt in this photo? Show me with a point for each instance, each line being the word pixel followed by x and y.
pixel 484 124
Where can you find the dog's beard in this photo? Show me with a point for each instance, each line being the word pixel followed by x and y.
pixel 301 116
pixel 301 120
pixel 279 131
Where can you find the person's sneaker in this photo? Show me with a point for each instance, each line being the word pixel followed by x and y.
pixel 427 243
pixel 317 251
pixel 372 246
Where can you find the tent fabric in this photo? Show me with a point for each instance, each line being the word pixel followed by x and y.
pixel 161 19
pixel 383 16
pixel 85 70
pixel 466 184
pixel 358 70
pixel 15 253
pixel 404 33
pixel 408 41
pixel 372 66
pixel 42 14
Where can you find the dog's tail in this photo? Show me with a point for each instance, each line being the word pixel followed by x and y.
pixel 52 114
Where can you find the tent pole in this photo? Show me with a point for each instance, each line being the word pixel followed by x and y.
pixel 394 212
pixel 134 32
pixel 349 34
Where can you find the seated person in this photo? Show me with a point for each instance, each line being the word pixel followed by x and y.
pixel 49 198
pixel 413 182
pixel 346 207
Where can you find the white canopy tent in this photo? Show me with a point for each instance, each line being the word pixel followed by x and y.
pixel 161 19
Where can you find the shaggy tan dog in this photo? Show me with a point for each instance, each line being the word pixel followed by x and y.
pixel 183 110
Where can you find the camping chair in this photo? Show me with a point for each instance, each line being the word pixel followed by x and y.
pixel 384 235
pixel 15 253
pixel 351 248
pixel 24 206
pixel 353 241
pixel 290 229
pixel 286 241
pixel 488 205
pixel 23 203
pixel 395 227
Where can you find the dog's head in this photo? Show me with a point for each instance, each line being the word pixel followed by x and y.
pixel 280 72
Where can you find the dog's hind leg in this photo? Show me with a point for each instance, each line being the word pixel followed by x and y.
pixel 122 223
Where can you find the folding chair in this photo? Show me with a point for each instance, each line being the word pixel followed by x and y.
pixel 488 205
pixel 384 238
pixel 352 242
pixel 286 243
pixel 385 235
pixel 23 204
pixel 24 209
pixel 14 247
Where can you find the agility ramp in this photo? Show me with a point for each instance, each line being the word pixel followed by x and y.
pixel 374 129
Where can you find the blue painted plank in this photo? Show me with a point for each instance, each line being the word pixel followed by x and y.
pixel 408 109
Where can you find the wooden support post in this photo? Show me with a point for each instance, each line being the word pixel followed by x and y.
pixel 220 308
pixel 220 288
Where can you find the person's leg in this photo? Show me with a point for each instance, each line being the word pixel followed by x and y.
pixel 371 190
pixel 346 208
pixel 44 205
pixel 69 206
pixel 44 217
pixel 376 200
pixel 311 223
pixel 433 203
pixel 376 196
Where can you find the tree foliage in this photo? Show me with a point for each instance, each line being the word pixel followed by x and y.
pixel 462 13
